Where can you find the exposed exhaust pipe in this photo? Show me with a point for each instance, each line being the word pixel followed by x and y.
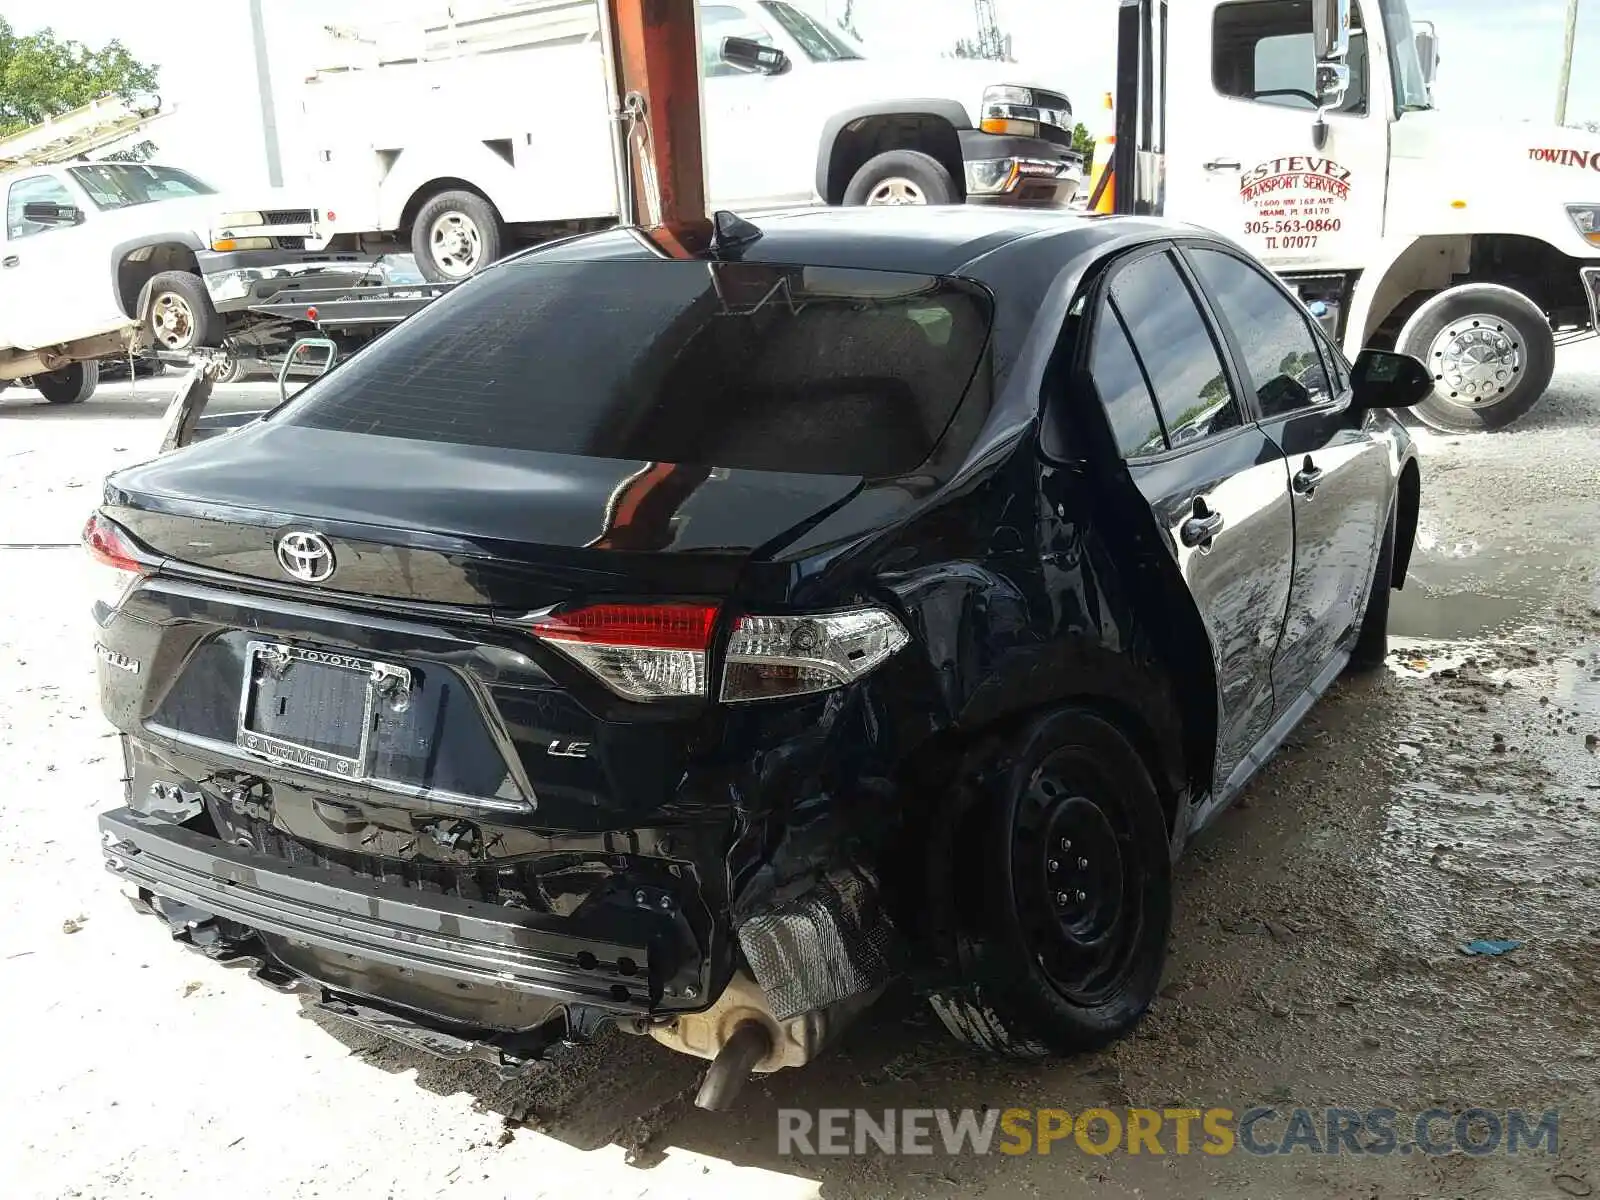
pixel 746 1046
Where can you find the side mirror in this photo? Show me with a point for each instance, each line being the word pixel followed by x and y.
pixel 1330 29
pixel 1426 35
pixel 750 55
pixel 42 212
pixel 1383 379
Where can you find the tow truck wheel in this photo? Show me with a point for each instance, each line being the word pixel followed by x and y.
pixel 1060 924
pixel 179 316
pixel 70 385
pixel 1491 351
pixel 456 234
pixel 899 177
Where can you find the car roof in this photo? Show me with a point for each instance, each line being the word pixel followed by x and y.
pixel 935 240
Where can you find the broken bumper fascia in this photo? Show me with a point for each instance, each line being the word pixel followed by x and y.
pixel 445 937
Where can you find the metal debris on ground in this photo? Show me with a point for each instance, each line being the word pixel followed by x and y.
pixel 1490 947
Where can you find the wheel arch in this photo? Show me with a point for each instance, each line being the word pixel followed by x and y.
pixel 137 261
pixel 853 136
pixel 437 186
pixel 1391 289
pixel 1408 499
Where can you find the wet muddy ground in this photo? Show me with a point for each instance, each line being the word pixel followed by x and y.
pixel 1316 952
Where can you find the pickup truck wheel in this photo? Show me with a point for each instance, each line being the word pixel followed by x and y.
pixel 70 385
pixel 901 177
pixel 179 316
pixel 456 234
pixel 1061 917
pixel 1491 351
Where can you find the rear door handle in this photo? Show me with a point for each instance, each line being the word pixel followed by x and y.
pixel 1224 164
pixel 1200 529
pixel 11 260
pixel 1307 478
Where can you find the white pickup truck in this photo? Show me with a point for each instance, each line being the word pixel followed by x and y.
pixel 98 259
pixel 462 140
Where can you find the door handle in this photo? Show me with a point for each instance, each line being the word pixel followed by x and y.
pixel 1224 164
pixel 1307 478
pixel 10 260
pixel 1200 529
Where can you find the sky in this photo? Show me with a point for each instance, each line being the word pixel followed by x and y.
pixel 1497 57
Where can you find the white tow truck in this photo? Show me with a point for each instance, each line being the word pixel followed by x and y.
pixel 100 259
pixel 1306 130
pixel 461 137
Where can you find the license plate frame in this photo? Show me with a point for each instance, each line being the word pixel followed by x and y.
pixel 381 679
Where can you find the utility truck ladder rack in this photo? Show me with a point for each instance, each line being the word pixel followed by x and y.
pixel 78 133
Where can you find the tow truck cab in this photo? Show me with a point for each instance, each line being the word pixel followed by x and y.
pixel 1306 131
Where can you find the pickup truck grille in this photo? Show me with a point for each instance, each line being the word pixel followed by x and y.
pixel 288 243
pixel 289 216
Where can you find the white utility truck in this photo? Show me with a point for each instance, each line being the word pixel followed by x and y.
pixel 98 259
pixel 465 136
pixel 1305 129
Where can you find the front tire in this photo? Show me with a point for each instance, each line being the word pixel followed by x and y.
pixel 455 235
pixel 179 316
pixel 1491 352
pixel 901 177
pixel 71 384
pixel 1062 908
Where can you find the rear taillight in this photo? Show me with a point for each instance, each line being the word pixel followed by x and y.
pixel 114 551
pixel 640 651
pixel 773 657
pixel 660 651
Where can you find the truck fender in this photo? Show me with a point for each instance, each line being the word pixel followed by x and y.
pixel 951 110
pixel 1366 290
pixel 187 238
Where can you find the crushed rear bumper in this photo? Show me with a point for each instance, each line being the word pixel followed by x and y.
pixel 468 963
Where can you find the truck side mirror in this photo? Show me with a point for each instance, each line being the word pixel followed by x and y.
pixel 1426 36
pixel 1330 30
pixel 750 55
pixel 43 212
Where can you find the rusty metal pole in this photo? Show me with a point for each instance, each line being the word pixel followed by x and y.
pixel 655 59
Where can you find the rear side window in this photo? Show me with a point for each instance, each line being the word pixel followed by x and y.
pixel 743 365
pixel 1120 383
pixel 1175 345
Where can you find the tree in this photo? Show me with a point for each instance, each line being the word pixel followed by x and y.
pixel 43 76
pixel 1082 142
pixel 848 21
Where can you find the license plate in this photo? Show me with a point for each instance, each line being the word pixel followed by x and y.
pixel 314 709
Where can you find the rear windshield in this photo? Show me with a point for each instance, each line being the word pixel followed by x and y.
pixel 742 365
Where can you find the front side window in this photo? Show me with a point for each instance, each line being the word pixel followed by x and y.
pixel 1262 50
pixel 1175 345
pixel 1273 332
pixel 124 185
pixel 40 189
pixel 743 365
pixel 820 43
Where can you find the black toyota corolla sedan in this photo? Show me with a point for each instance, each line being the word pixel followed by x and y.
pixel 697 642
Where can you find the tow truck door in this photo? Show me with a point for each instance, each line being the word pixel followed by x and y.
pixel 1241 152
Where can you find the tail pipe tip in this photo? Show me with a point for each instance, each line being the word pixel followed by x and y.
pixel 746 1046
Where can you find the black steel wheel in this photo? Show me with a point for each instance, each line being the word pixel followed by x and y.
pixel 1061 939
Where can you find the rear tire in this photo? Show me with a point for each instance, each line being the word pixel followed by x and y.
pixel 1372 643
pixel 1490 350
pixel 179 316
pixel 903 177
pixel 454 236
pixel 70 385
pixel 1063 905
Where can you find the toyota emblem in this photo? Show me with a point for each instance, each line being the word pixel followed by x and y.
pixel 305 556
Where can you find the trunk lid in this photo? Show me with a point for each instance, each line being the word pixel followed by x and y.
pixel 462 524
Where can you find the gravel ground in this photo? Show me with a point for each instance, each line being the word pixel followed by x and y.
pixel 1315 958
